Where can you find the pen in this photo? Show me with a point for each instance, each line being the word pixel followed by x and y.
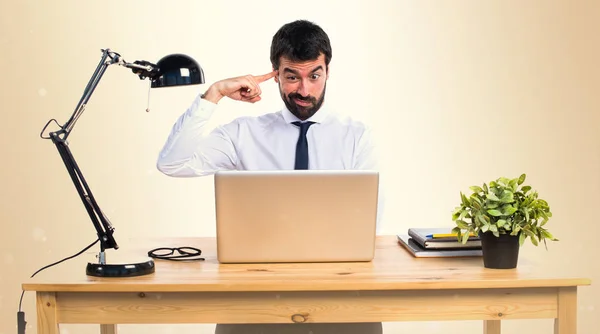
pixel 445 235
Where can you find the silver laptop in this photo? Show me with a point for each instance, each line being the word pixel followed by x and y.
pixel 296 215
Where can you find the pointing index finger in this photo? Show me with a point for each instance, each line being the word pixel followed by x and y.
pixel 264 77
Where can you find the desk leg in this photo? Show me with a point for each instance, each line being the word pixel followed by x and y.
pixel 46 313
pixel 491 327
pixel 566 322
pixel 108 329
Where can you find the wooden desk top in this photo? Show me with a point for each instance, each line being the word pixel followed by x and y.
pixel 392 269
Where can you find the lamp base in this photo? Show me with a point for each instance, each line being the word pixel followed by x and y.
pixel 120 270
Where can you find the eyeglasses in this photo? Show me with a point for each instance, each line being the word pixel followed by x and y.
pixel 185 254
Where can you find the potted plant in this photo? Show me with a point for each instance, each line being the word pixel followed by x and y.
pixel 503 214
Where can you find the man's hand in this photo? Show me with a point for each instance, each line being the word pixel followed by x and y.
pixel 245 88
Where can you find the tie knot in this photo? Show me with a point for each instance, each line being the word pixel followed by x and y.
pixel 303 125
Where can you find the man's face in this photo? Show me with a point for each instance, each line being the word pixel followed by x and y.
pixel 302 85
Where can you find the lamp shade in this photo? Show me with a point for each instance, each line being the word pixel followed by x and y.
pixel 177 70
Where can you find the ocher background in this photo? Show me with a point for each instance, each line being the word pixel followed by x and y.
pixel 459 93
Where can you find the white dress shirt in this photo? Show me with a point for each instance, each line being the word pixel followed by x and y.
pixel 266 142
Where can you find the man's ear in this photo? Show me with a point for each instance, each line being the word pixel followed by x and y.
pixel 328 69
pixel 276 76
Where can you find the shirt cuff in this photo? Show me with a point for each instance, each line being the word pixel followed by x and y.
pixel 202 108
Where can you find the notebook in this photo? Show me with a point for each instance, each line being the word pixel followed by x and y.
pixel 431 237
pixel 417 251
pixel 296 215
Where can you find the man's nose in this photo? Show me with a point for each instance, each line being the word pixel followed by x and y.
pixel 303 89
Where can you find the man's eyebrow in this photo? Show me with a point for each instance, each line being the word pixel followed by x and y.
pixel 289 70
pixel 320 67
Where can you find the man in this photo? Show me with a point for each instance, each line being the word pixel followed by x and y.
pixel 305 134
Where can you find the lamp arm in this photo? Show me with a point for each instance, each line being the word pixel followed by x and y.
pixel 103 227
pixel 143 68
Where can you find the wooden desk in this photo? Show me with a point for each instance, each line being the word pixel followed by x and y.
pixel 394 287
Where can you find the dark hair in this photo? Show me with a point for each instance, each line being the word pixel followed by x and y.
pixel 300 40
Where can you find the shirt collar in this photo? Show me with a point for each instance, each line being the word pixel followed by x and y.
pixel 318 117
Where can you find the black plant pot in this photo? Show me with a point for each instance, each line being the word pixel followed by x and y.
pixel 499 252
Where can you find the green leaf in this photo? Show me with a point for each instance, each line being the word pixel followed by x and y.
pixel 481 219
pixel 485 188
pixel 522 179
pixel 507 197
pixel 462 215
pixel 465 200
pixel 509 210
pixel 476 198
pixel 546 234
pixel 494 213
pixel 492 205
pixel 501 222
pixel 457 231
pixel 513 184
pixel 491 196
pixel 462 224
pixel 528 232
pixel 465 237
pixel 476 189
pixel 534 240
pixel 455 216
pixel 525 189
pixel 522 237
pixel 485 228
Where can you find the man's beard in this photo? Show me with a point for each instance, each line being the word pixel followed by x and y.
pixel 303 112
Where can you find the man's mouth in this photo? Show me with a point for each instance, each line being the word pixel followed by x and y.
pixel 303 103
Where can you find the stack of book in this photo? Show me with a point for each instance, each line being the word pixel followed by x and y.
pixel 438 242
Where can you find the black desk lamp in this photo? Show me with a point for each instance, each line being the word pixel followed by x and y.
pixel 171 70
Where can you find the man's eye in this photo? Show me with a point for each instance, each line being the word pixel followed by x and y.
pixel 315 76
pixel 291 78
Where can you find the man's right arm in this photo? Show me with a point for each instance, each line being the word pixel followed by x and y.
pixel 190 150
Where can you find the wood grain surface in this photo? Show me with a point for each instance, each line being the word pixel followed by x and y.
pixel 392 269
